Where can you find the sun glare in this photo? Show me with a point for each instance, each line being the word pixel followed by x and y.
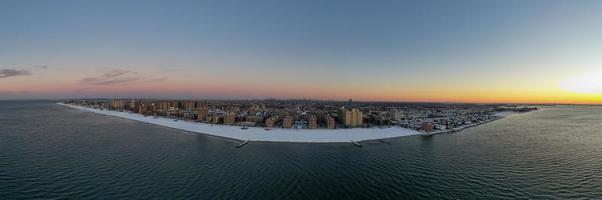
pixel 590 83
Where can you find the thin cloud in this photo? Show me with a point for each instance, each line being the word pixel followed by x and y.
pixel 114 77
pixel 118 72
pixel 154 80
pixel 5 73
pixel 41 66
pixel 97 81
pixel 83 89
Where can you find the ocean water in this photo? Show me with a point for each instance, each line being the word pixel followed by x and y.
pixel 49 151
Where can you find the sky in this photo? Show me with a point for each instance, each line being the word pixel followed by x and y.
pixel 391 50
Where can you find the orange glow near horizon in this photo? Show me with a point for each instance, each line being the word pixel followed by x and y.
pixel 507 90
pixel 357 93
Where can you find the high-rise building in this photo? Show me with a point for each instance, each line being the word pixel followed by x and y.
pixel 345 117
pixel 142 109
pixel 253 118
pixel 330 122
pixel 357 118
pixel 215 119
pixel 163 106
pixel 201 114
pixel 132 104
pixel 189 105
pixel 427 127
pixel 202 104
pixel 151 109
pixel 287 122
pixel 117 104
pixel 396 115
pixel 229 118
pixel 351 118
pixel 381 119
pixel 269 122
pixel 312 122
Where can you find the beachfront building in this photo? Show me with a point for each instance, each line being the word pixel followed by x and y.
pixel 132 104
pixel 287 122
pixel 330 122
pixel 269 122
pixel 145 108
pixel 351 118
pixel 216 119
pixel 345 117
pixel 229 118
pixel 118 104
pixel 311 114
pixel 166 107
pixel 427 127
pixel 357 117
pixel 312 122
pixel 189 105
pixel 202 114
pixel 396 115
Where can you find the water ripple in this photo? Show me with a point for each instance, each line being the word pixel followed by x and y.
pixel 52 152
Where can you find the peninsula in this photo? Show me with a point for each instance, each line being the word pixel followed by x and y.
pixel 299 120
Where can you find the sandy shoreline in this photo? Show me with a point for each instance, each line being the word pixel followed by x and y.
pixel 259 134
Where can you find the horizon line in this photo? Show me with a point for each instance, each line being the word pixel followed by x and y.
pixel 307 99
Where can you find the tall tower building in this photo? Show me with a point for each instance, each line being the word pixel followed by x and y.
pixel 427 127
pixel 312 122
pixel 351 118
pixel 164 106
pixel 229 118
pixel 330 122
pixel 215 119
pixel 141 109
pixel 395 114
pixel 357 117
pixel 346 117
pixel 287 122
pixel 132 104
pixel 269 122
pixel 117 104
pixel 202 114
pixel 189 105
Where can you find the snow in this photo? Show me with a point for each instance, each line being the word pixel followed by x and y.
pixel 260 134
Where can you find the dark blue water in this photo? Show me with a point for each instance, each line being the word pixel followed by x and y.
pixel 53 152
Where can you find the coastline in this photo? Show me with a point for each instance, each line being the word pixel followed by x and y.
pixel 461 128
pixel 258 134
pixel 499 115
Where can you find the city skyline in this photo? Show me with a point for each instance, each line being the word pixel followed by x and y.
pixel 261 116
pixel 397 51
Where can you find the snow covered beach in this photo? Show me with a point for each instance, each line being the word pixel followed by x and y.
pixel 259 134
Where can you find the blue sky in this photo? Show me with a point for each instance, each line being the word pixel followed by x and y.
pixel 404 46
